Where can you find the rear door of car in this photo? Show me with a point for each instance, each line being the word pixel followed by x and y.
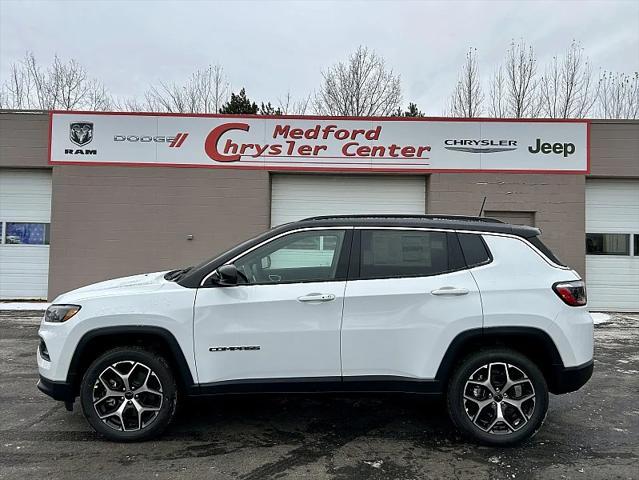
pixel 409 294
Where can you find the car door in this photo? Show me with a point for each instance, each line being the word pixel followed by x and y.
pixel 283 321
pixel 409 296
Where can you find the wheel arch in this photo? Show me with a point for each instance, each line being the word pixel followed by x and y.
pixel 97 341
pixel 533 342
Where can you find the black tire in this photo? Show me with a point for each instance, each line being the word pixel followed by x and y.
pixel 457 404
pixel 156 422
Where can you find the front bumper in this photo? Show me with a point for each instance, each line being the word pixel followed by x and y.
pixel 62 391
pixel 569 379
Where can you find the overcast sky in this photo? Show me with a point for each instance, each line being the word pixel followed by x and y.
pixel 272 47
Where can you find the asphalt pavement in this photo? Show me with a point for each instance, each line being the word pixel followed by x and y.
pixel 589 434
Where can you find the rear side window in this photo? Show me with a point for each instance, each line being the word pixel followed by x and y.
pixel 545 250
pixel 474 249
pixel 403 253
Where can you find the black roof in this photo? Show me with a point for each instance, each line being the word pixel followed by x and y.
pixel 452 222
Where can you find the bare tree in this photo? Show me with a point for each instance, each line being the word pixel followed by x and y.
pixel 566 89
pixel 362 86
pixel 63 86
pixel 513 91
pixel 618 96
pixel 290 106
pixel 497 95
pixel 467 99
pixel 204 92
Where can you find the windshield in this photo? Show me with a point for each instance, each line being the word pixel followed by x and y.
pixel 239 248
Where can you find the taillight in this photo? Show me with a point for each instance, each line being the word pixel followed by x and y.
pixel 572 293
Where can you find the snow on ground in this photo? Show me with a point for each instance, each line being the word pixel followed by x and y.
pixel 24 305
pixel 600 317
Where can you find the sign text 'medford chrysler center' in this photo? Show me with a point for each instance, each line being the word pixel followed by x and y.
pixel 321 144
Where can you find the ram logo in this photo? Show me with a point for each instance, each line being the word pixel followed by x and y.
pixel 81 133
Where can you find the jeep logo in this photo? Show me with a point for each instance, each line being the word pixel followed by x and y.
pixel 556 148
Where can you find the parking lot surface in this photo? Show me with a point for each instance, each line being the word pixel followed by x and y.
pixel 592 433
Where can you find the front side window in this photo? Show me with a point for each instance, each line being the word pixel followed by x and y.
pixel 607 244
pixel 22 233
pixel 403 253
pixel 310 256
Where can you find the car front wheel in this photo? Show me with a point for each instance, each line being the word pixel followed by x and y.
pixel 498 397
pixel 129 394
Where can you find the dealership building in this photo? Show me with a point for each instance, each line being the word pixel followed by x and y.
pixel 90 196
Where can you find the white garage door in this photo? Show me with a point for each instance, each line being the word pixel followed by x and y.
pixel 294 197
pixel 612 244
pixel 25 216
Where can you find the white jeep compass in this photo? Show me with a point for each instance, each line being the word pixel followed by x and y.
pixel 470 308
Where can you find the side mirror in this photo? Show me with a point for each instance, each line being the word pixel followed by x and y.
pixel 227 275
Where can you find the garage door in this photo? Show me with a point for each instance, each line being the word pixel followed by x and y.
pixel 294 197
pixel 25 215
pixel 612 244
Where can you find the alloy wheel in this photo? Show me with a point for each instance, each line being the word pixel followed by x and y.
pixel 499 398
pixel 127 396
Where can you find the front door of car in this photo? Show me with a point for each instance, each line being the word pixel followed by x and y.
pixel 282 321
pixel 407 297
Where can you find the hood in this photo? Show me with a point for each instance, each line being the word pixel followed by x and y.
pixel 145 282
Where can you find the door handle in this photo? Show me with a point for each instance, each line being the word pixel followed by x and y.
pixel 317 297
pixel 450 291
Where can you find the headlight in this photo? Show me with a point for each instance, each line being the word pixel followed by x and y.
pixel 60 313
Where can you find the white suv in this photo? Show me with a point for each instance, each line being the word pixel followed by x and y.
pixel 469 307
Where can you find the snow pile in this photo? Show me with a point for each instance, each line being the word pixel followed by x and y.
pixel 600 318
pixel 24 306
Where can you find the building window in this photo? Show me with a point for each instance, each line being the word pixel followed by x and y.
pixel 636 236
pixel 608 244
pixel 22 233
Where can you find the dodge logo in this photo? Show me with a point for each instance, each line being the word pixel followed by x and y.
pixel 81 133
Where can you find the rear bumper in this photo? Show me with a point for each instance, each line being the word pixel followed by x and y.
pixel 569 379
pixel 62 391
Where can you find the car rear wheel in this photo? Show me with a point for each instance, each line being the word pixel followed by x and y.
pixel 129 394
pixel 498 397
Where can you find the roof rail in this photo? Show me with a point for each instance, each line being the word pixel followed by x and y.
pixel 464 218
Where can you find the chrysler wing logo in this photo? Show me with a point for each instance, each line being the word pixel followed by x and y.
pixel 81 133
pixel 480 146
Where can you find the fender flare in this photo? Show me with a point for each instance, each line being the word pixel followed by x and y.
pixel 463 339
pixel 183 373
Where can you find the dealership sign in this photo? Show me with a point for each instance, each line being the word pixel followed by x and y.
pixel 319 143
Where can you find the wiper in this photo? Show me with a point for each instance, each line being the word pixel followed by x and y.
pixel 175 275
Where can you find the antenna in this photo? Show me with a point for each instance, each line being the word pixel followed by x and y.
pixel 481 210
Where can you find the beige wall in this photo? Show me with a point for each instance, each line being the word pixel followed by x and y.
pixel 24 139
pixel 113 221
pixel 614 148
pixel 557 201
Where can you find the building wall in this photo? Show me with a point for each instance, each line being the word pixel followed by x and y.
pixel 557 201
pixel 24 140
pixel 114 221
pixel 614 148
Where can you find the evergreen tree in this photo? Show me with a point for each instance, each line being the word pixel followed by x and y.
pixel 269 109
pixel 239 104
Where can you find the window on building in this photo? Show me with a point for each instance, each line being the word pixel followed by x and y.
pixel 401 253
pixel 607 244
pixel 23 233
pixel 636 237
